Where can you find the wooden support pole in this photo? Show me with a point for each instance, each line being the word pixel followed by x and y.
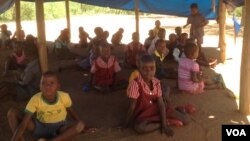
pixel 222 30
pixel 42 49
pixel 245 66
pixel 68 16
pixel 137 16
pixel 18 19
pixel 243 15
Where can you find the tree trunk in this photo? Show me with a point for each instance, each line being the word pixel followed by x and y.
pixel 222 28
pixel 42 49
pixel 243 15
pixel 137 16
pixel 68 16
pixel 18 19
pixel 245 66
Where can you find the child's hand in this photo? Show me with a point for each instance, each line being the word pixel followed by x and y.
pixel 168 131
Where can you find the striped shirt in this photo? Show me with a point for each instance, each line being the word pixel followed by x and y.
pixel 185 68
pixel 101 63
pixel 134 92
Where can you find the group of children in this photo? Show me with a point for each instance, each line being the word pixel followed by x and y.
pixel 149 94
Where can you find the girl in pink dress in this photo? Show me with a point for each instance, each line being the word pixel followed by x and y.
pixel 189 74
pixel 190 78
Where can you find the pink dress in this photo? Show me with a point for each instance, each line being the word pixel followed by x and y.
pixel 185 68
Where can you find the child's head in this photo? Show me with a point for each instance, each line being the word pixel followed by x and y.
pixel 121 30
pixel 138 57
pixel 81 29
pixel 178 30
pixel 135 37
pixel 147 67
pixel 194 8
pixel 30 39
pixel 162 33
pixel 160 46
pixel 4 27
pixel 98 32
pixel 172 38
pixel 105 50
pixel 49 84
pixel 151 33
pixel 105 35
pixel 157 24
pixel 191 51
pixel 183 37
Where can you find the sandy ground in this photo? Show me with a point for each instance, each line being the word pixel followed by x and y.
pixel 215 107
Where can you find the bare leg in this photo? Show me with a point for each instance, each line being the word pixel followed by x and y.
pixel 67 132
pixel 146 127
pixel 14 118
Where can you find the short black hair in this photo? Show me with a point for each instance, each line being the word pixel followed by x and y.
pixel 52 74
pixel 194 5
pixel 190 49
pixel 146 59
pixel 159 41
pixel 162 30
pixel 172 35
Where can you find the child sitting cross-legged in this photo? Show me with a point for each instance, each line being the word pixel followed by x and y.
pixel 190 77
pixel 159 56
pixel 50 107
pixel 104 69
pixel 147 111
pixel 17 60
pixel 132 49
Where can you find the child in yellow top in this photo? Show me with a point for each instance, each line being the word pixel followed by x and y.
pixel 50 107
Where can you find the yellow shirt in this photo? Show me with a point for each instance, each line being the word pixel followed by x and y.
pixel 134 75
pixel 162 57
pixel 49 112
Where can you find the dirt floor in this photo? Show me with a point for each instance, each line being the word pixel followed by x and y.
pixel 107 112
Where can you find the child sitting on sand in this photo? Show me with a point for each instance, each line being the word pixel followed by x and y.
pixel 159 57
pixel 83 38
pixel 178 51
pixel 17 59
pixel 148 111
pixel 132 49
pixel 117 38
pixel 5 36
pixel 51 107
pixel 148 40
pixel 104 68
pixel 178 32
pixel 190 78
pixel 171 45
